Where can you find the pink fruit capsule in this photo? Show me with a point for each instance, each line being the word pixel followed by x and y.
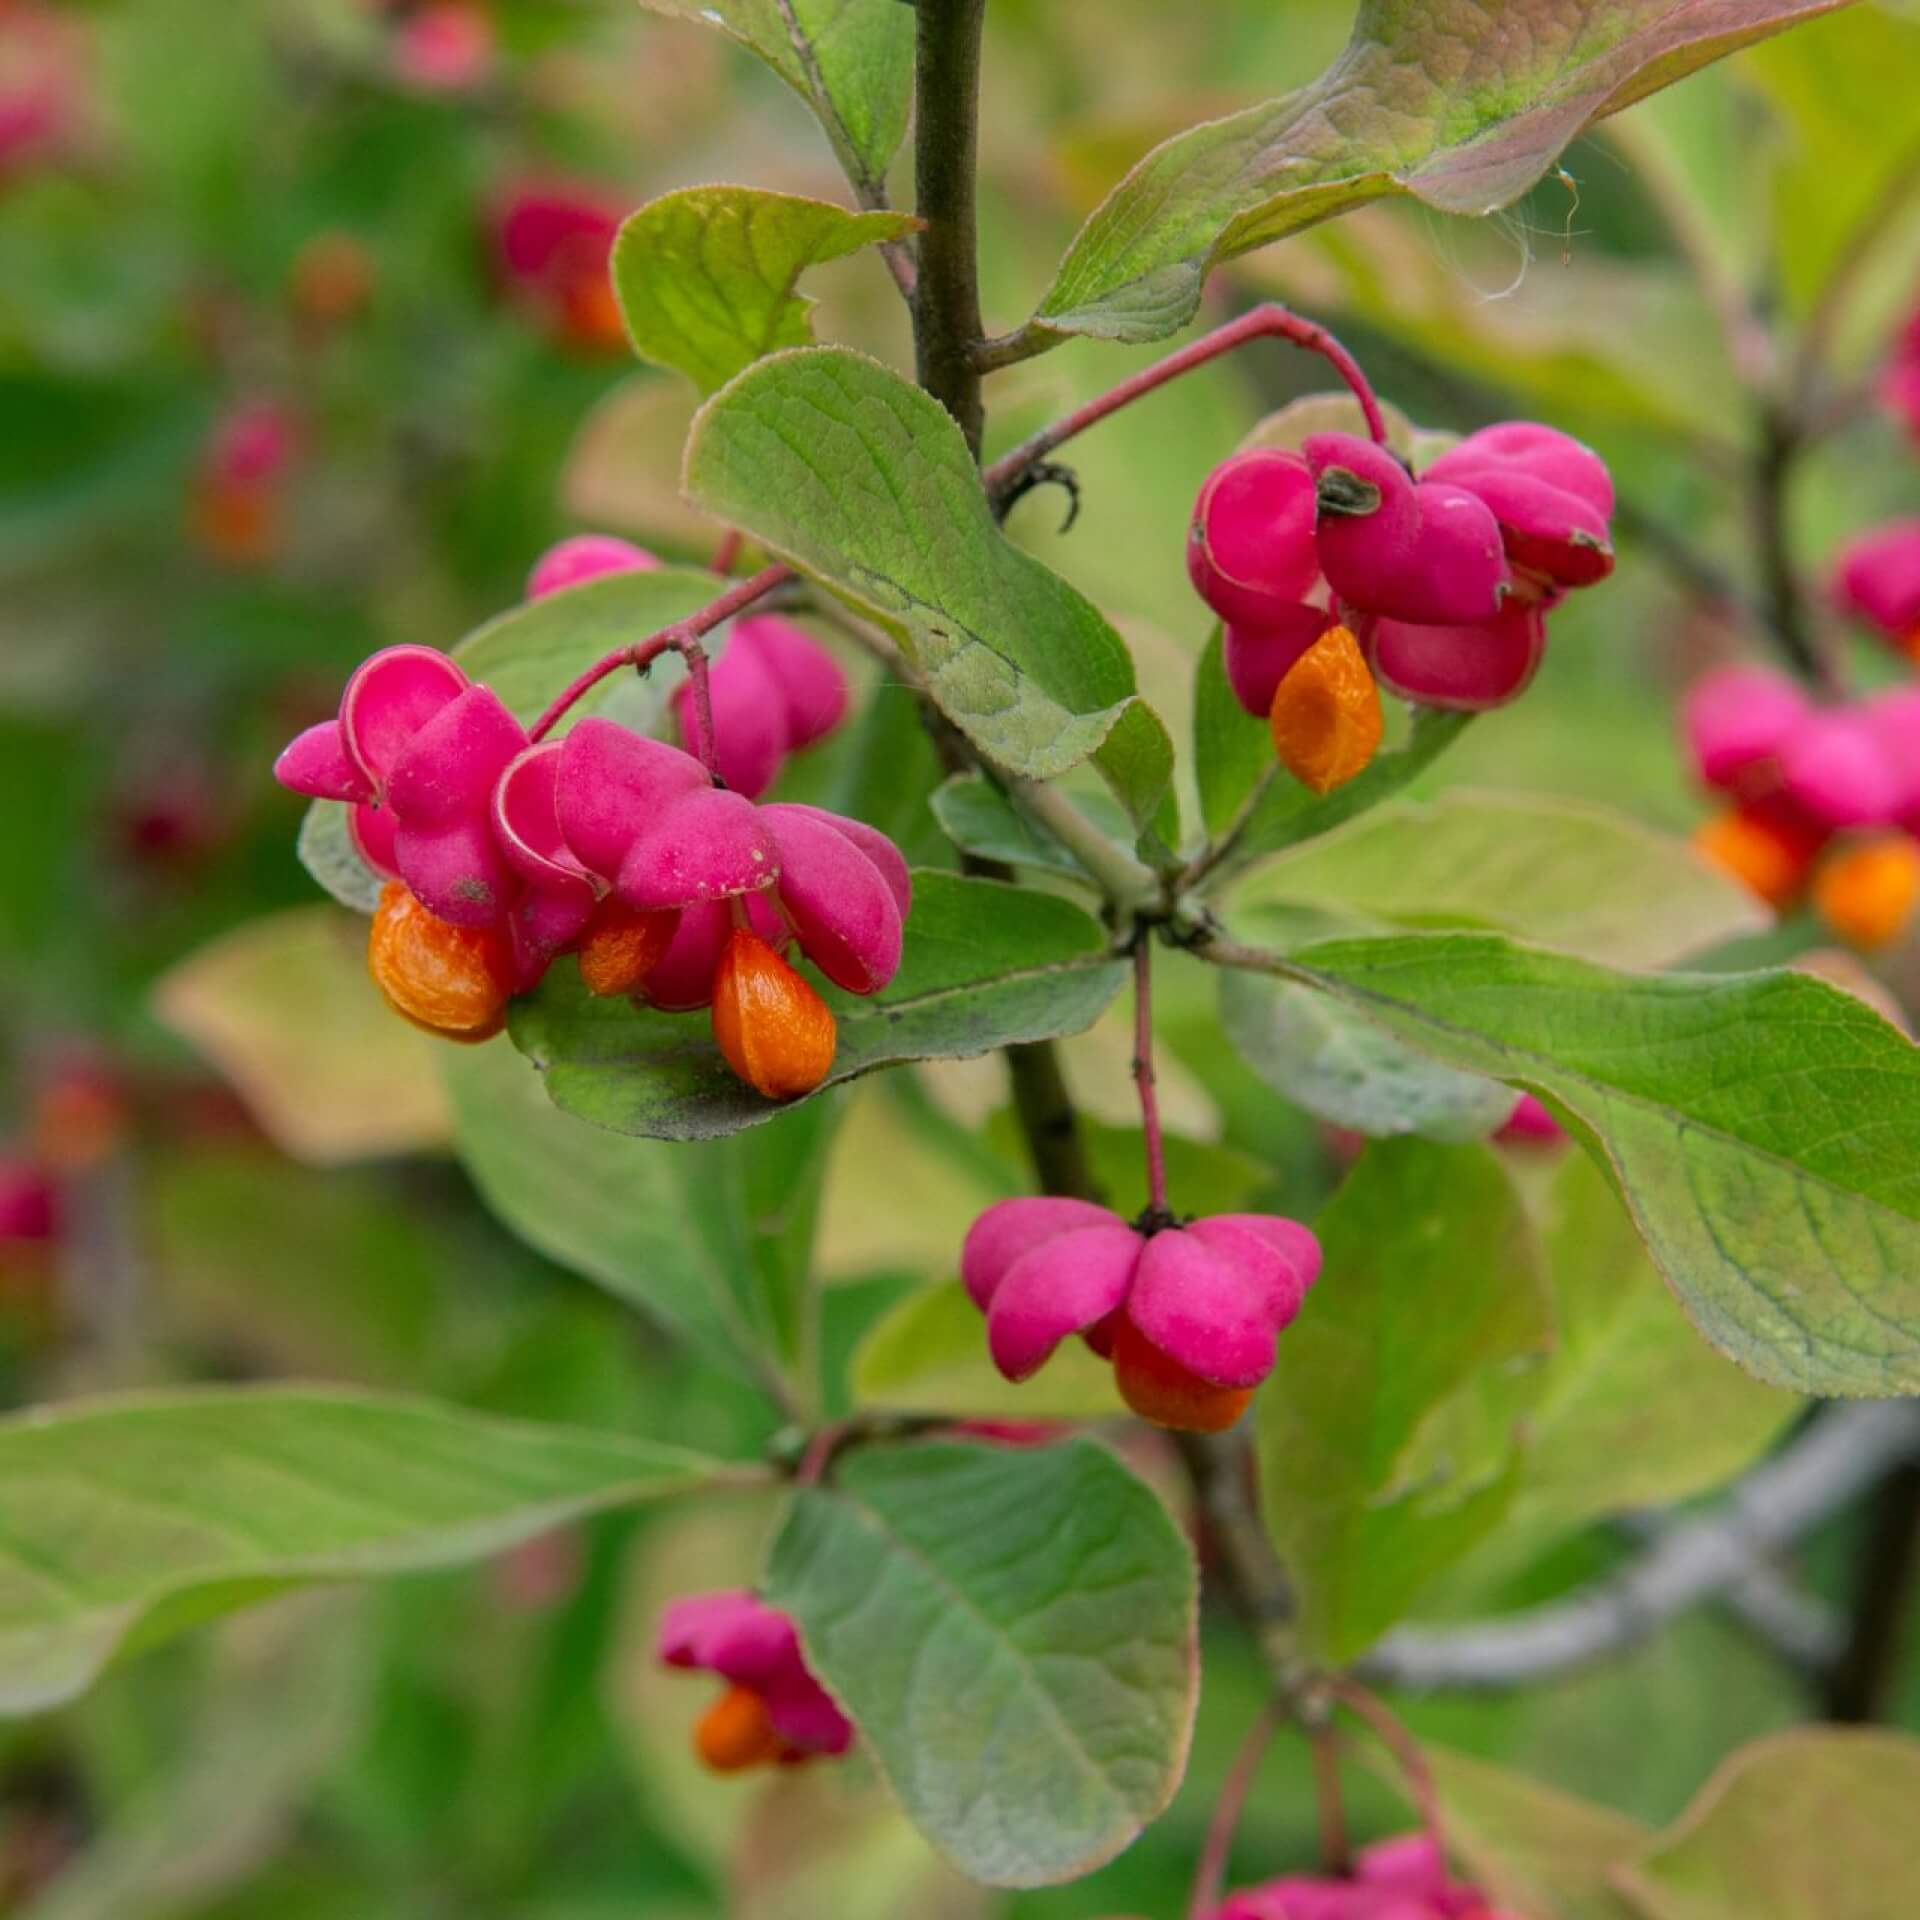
pixel 1250 547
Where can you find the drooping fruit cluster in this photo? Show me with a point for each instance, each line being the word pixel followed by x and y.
pixel 774 1712
pixel 1189 1315
pixel 502 855
pixel 1824 798
pixel 555 243
pixel 1335 560
pixel 1402 1879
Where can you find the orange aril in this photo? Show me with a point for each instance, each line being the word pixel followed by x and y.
pixel 622 946
pixel 775 1032
pixel 1325 716
pixel 453 981
pixel 736 1733
pixel 1159 1389
pixel 1868 892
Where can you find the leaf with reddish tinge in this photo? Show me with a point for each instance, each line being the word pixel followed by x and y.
pixel 1462 104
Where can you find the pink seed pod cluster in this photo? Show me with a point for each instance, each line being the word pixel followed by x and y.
pixel 555 244
pixel 774 1711
pixel 1401 1879
pixel 1834 788
pixel 608 811
pixel 671 888
pixel 238 492
pixel 1876 580
pixel 1189 1315
pixel 1899 383
pixel 1445 579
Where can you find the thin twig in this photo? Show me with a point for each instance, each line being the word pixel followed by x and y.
pixel 1394 1734
pixel 684 638
pixel 1843 1453
pixel 1330 1803
pixel 1143 1075
pixel 1210 1874
pixel 1263 323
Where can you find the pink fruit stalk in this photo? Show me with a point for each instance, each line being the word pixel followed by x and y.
pixel 1189 1315
pixel 775 690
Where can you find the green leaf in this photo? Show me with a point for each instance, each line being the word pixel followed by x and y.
pixel 929 1355
pixel 1343 1069
pixel 1388 1431
pixel 979 819
pixel 1281 813
pixel 1566 876
pixel 1809 1825
pixel 865 484
pixel 327 852
pixel 1464 113
pixel 528 654
pixel 1763 1129
pixel 1013 1630
pixel 851 61
pixel 128 1517
pixel 1232 751
pixel 1632 1410
pixel 986 965
pixel 284 1007
pixel 706 276
pixel 1531 1847
pixel 711 1239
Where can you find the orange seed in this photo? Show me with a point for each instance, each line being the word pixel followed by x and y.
pixel 1764 859
pixel 736 1733
pixel 622 946
pixel 1326 713
pixel 1867 893
pixel 775 1032
pixel 1159 1389
pixel 451 980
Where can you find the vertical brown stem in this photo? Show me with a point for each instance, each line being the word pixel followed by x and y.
pixel 1050 1122
pixel 1864 1679
pixel 1785 607
pixel 946 306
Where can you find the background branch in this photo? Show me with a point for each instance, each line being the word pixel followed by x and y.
pixel 1836 1459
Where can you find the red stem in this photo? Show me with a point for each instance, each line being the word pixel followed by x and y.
pixel 1336 1849
pixel 1398 1739
pixel 728 551
pixel 1209 1877
pixel 683 638
pixel 1268 322
pixel 1143 1075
